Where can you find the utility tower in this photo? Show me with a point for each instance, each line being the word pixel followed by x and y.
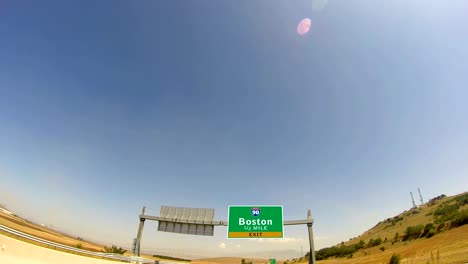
pixel 420 196
pixel 412 199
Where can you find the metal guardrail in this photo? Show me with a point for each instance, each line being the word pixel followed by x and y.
pixel 73 249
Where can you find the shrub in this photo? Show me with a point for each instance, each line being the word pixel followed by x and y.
pixel 374 242
pixel 382 248
pixel 360 245
pixel 433 200
pixel 243 261
pixel 336 251
pixel 461 218
pixel 431 233
pixel 79 246
pixel 462 200
pixel 114 250
pixel 446 212
pixel 440 227
pixel 413 232
pixel 427 228
pixel 395 259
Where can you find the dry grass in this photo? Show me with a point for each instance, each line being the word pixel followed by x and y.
pixel 19 252
pixel 386 230
pixel 44 233
pixel 228 260
pixel 452 246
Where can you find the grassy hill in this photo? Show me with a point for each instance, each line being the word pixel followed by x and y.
pixel 440 222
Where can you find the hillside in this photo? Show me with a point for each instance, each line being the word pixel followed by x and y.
pixel 438 226
pixel 20 224
pixel 13 221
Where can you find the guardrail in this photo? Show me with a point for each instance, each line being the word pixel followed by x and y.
pixel 73 249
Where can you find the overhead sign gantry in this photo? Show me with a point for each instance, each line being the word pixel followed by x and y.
pixel 246 221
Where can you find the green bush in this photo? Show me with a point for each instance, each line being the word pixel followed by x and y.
pixel 394 259
pixel 440 227
pixel 338 251
pixel 446 212
pixel 427 228
pixel 79 246
pixel 374 242
pixel 461 218
pixel 433 200
pixel 462 200
pixel 431 233
pixel 413 232
pixel 361 244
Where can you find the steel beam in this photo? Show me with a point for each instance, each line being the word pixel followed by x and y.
pixel 219 223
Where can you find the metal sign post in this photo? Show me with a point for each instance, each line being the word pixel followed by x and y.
pixel 311 238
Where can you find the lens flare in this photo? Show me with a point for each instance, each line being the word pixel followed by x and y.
pixel 304 26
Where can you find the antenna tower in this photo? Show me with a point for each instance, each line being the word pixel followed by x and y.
pixel 412 199
pixel 420 196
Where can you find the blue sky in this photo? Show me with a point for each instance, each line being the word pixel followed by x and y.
pixel 106 106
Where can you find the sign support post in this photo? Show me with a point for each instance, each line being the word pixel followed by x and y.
pixel 311 238
pixel 140 232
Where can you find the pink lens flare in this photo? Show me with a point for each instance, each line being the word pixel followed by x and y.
pixel 304 26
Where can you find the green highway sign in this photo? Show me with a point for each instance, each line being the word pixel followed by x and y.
pixel 264 221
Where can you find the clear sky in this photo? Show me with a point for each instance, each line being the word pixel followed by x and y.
pixel 106 106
